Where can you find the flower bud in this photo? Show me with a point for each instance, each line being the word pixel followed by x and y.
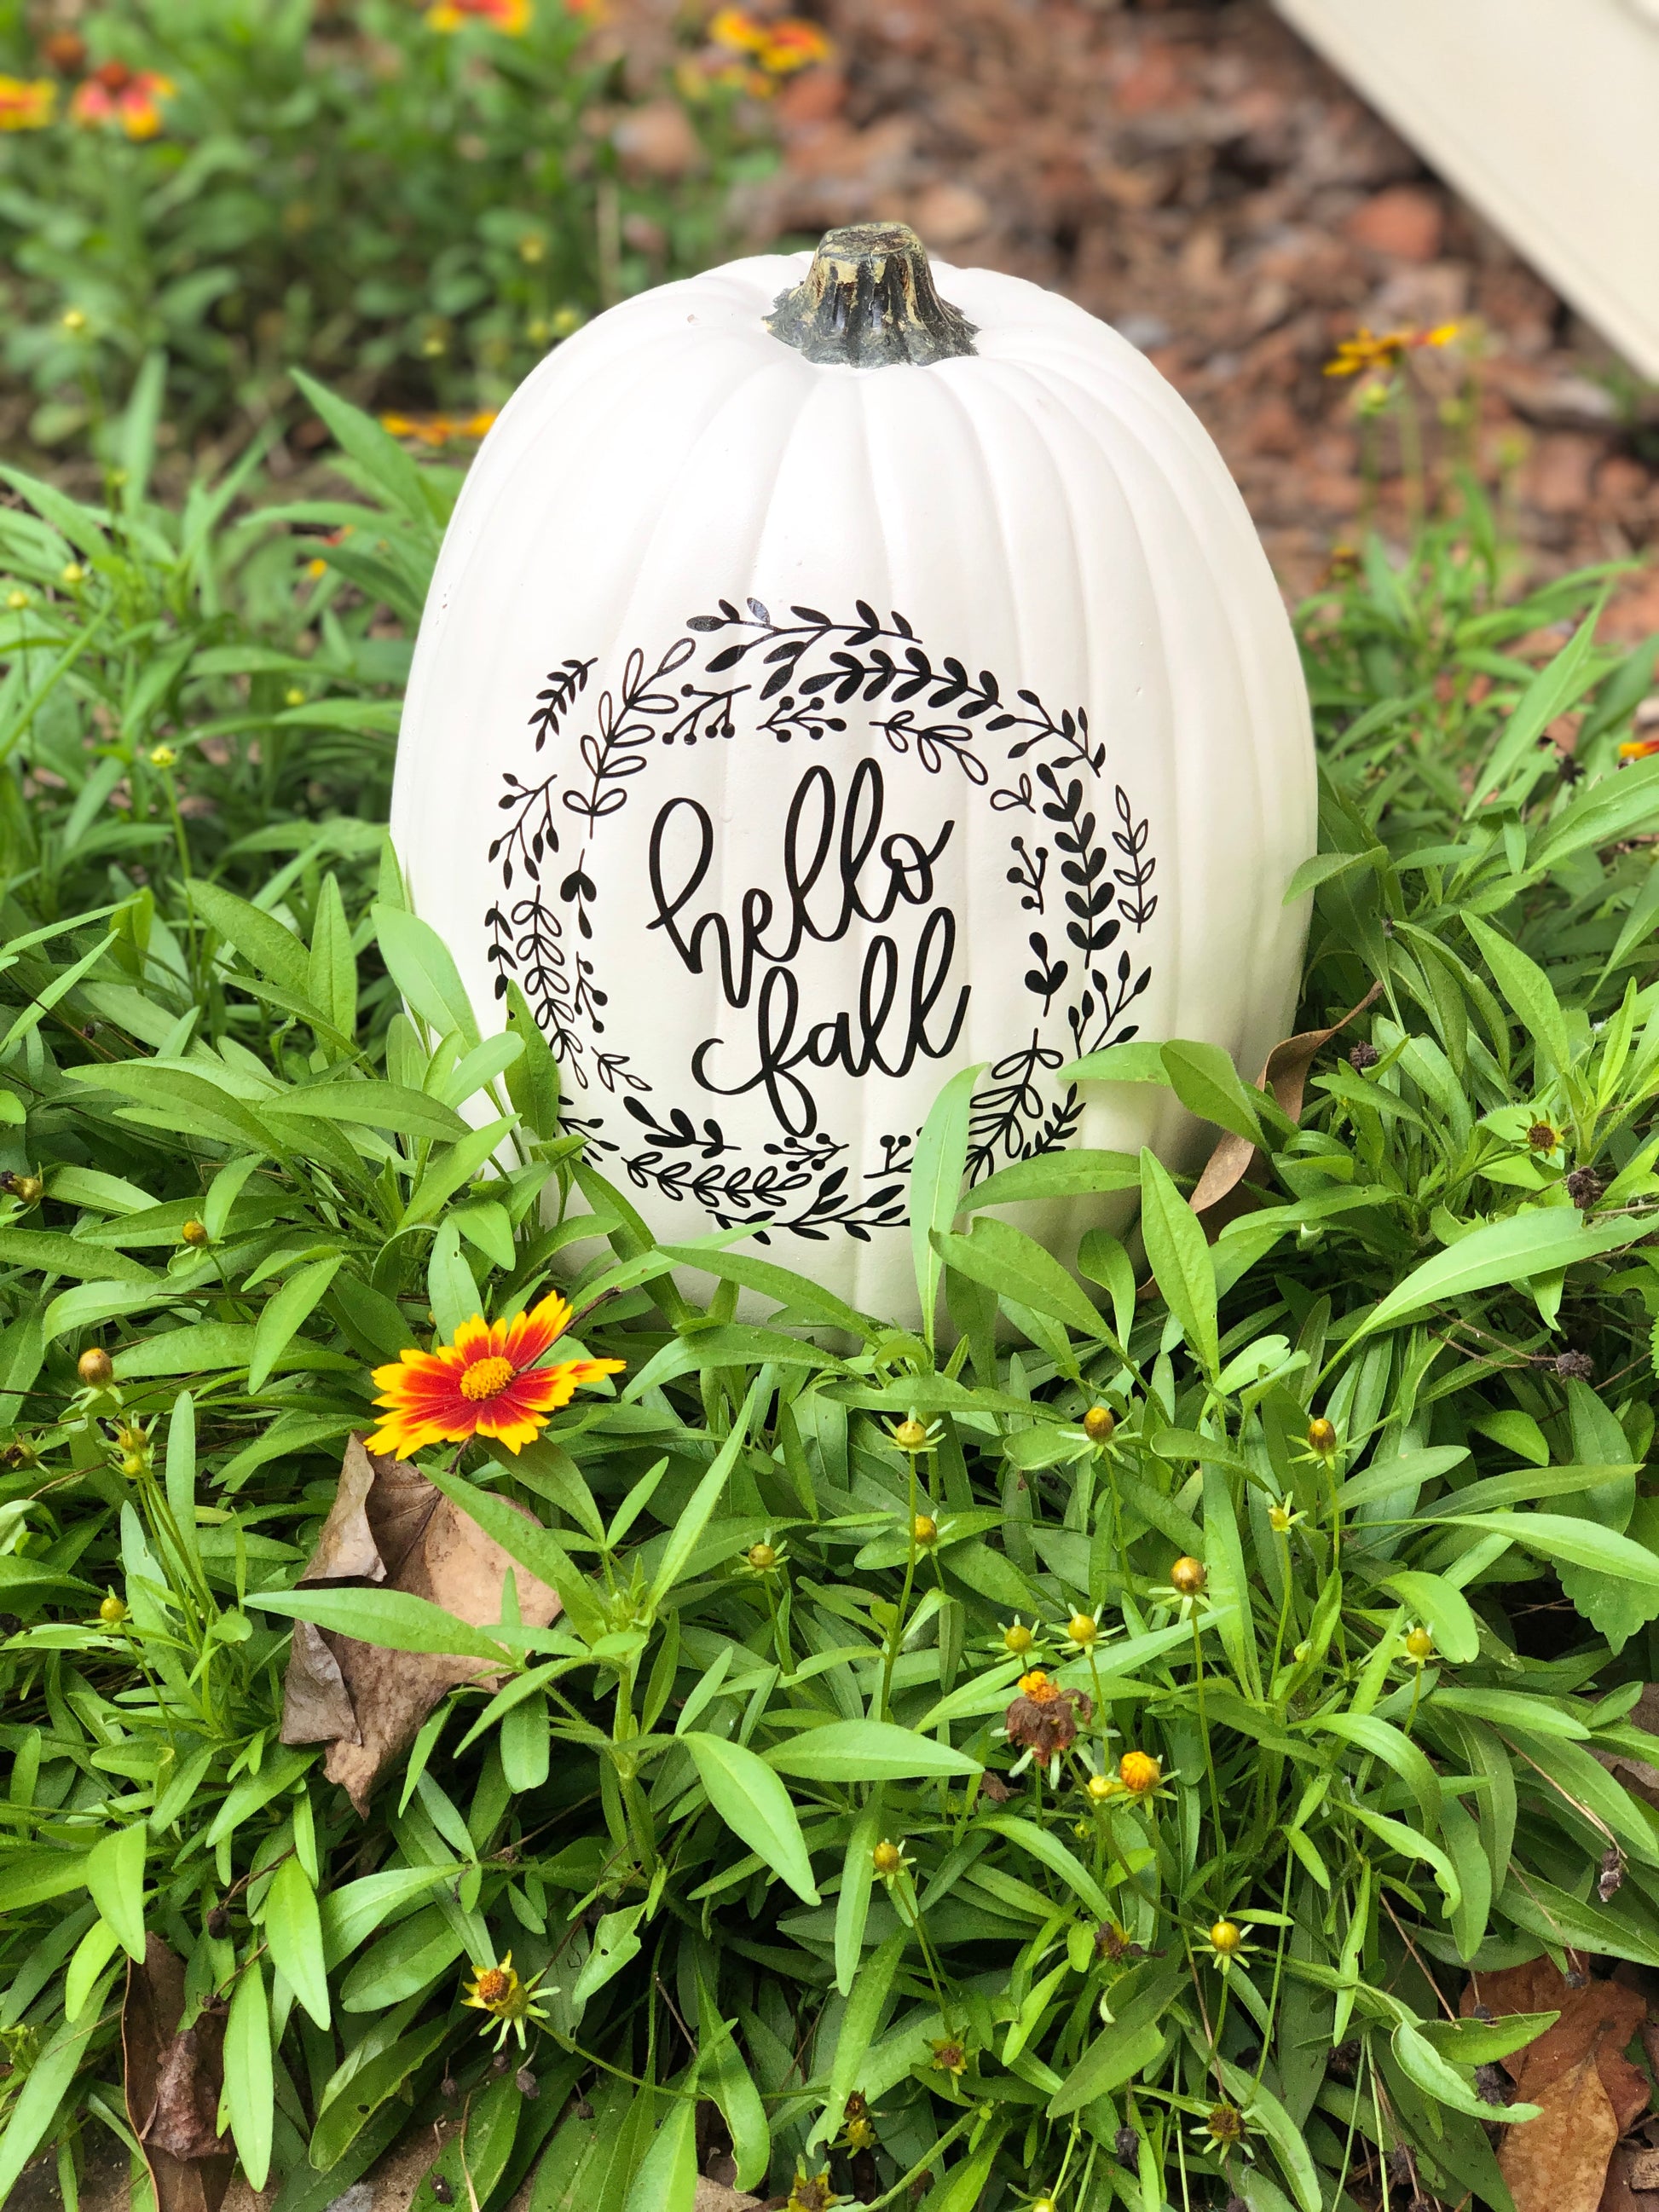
pixel 762 1557
pixel 1099 1787
pixel 1227 1937
pixel 1018 1640
pixel 887 1858
pixel 217 1922
pixel 162 757
pixel 1419 1643
pixel 1189 1576
pixel 95 1368
pixel 195 1232
pixel 1322 1436
pixel 1098 1423
pixel 1140 1772
pixel 925 1529
pixel 1279 1519
pixel 72 573
pixel 25 1189
pixel 1083 1628
pixel 910 1436
pixel 112 1611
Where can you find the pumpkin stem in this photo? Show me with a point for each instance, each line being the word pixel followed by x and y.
pixel 868 301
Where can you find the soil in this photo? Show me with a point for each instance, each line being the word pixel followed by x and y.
pixel 1196 176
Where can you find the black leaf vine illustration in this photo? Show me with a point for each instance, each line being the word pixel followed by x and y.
pixel 800 669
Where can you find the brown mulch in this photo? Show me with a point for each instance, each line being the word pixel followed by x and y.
pixel 1195 176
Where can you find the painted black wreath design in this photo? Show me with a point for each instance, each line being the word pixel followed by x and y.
pixel 1083 882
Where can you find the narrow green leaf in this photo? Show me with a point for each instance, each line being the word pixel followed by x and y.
pixel 293 1930
pixel 114 1871
pixel 941 1159
pixel 1181 1261
pixel 250 2092
pixel 285 1315
pixel 755 1805
pixel 866 1751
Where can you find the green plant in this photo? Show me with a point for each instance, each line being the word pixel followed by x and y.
pixel 1077 1760
pixel 414 213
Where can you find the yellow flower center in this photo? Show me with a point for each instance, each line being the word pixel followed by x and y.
pixel 1098 1423
pixel 1037 1686
pixel 487 1378
pixel 1139 1771
pixel 495 1983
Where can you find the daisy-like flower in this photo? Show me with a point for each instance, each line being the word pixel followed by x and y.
pixel 811 2193
pixel 1224 2127
pixel 793 43
pixel 1368 349
pixel 510 17
pixel 764 1557
pixel 737 30
pixel 127 98
pixel 949 2055
pixel 439 429
pixel 509 2002
pixel 890 1862
pixel 27 104
pixel 913 1438
pixel 1226 1942
pixel 1282 1518
pixel 487 1383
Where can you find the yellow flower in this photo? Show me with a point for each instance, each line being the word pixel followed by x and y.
pixel 925 1529
pixel 793 43
pixel 72 573
pixel 1082 1630
pixel 736 29
pixel 510 17
pixel 73 319
pixel 17 600
pixel 112 1611
pixel 1098 1423
pixel 27 104
pixel 1016 1639
pixel 891 1861
pixel 162 757
pixel 1368 349
pixel 509 2002
pixel 487 1383
pixel 1140 1773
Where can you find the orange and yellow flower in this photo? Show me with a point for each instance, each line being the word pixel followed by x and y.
pixel 1635 749
pixel 1368 349
pixel 27 104
pixel 776 49
pixel 487 1383
pixel 510 17
pixel 131 99
pixel 439 429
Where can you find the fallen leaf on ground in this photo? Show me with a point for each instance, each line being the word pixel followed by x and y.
pixel 173 2082
pixel 1588 2093
pixel 389 1526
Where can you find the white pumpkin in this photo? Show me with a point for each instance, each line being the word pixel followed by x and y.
pixel 806 708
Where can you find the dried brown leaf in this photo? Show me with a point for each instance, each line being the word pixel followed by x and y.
pixel 173 2082
pixel 1558 2162
pixel 1218 1198
pixel 389 1525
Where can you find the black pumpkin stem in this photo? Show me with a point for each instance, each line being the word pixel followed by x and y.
pixel 868 301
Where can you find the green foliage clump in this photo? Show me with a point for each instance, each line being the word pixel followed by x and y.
pixel 416 213
pixel 1075 1751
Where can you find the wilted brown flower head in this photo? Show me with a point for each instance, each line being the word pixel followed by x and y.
pixel 1226 2125
pixel 1043 1718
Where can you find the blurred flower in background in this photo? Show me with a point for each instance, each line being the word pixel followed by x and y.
pixel 510 17
pixel 27 104
pixel 769 51
pixel 129 99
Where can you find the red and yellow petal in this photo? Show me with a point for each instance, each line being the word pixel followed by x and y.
pixel 528 1335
